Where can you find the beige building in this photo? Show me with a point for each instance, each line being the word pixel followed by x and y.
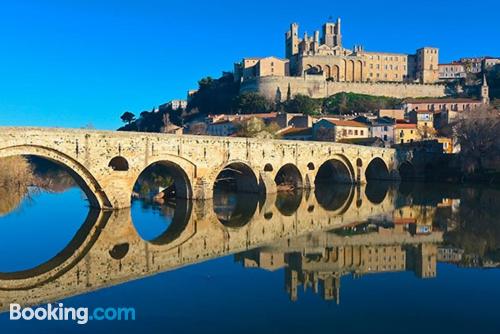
pixel 437 104
pixel 451 71
pixel 250 68
pixel 330 129
pixel 325 55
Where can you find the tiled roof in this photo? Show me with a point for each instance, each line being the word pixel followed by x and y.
pixel 342 122
pixel 405 126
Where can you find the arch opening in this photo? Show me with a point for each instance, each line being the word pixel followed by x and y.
pixel 310 166
pixel 376 191
pixel 77 172
pixel 268 168
pixel 333 171
pixel 119 164
pixel 377 170
pixel 288 203
pixel 288 178
pixel 167 224
pixel 33 172
pixel 235 210
pixel 161 182
pixel 334 198
pixel 237 177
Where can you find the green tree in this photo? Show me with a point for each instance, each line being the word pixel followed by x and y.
pixel 303 104
pixel 249 103
pixel 127 117
pixel 347 102
pixel 214 96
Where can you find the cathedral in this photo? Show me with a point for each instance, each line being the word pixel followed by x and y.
pixel 324 55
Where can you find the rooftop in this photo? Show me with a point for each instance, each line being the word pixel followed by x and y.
pixel 341 122
pixel 443 100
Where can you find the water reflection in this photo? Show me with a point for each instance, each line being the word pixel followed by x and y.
pixel 316 237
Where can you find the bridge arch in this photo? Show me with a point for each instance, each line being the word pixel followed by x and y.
pixel 377 170
pixel 335 170
pixel 237 176
pixel 82 176
pixel 235 210
pixel 289 175
pixel 180 172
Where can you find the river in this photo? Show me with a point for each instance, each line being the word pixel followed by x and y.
pixel 381 258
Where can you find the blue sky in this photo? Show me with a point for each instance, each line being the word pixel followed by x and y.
pixel 72 63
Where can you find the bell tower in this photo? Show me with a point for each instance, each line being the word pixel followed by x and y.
pixel 485 92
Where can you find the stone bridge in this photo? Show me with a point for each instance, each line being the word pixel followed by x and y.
pixel 107 249
pixel 106 164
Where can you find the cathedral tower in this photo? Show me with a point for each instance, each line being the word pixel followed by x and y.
pixel 485 92
pixel 292 41
pixel 331 34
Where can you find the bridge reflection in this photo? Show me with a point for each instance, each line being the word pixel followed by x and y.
pixel 302 231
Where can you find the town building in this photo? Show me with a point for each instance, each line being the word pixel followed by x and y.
pixel 405 133
pixel 250 68
pixel 397 114
pixel 436 105
pixel 451 71
pixel 295 120
pixel 382 128
pixel 489 62
pixel 424 119
pixel 222 128
pixel 330 129
pixel 174 105
pixel 292 133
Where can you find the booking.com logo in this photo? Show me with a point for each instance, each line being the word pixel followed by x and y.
pixel 82 315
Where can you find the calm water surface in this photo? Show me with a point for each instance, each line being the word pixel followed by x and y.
pixel 383 258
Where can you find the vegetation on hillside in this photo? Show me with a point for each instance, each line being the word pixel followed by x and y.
pixel 256 128
pixel 215 96
pixel 342 103
pixel 303 104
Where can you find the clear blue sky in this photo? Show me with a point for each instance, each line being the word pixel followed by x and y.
pixel 70 63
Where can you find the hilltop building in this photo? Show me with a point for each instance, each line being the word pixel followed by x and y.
pixel 326 54
pixel 320 66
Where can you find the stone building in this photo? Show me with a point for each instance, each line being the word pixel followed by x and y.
pixel 326 55
pixel 452 71
pixel 250 68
